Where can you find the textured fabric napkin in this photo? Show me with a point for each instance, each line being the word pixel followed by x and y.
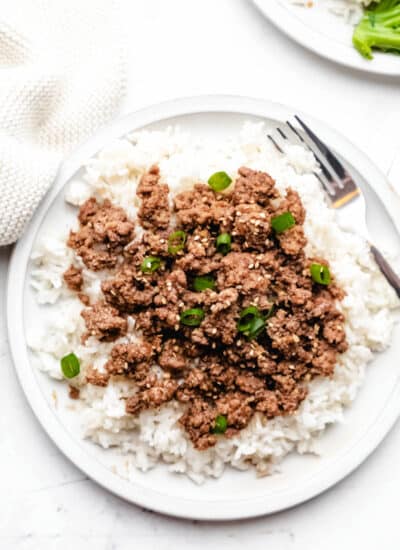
pixel 62 75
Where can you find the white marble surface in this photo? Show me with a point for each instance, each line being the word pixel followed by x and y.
pixel 178 48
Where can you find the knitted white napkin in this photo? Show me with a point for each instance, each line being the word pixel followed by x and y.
pixel 62 75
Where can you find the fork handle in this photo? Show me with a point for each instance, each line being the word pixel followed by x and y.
pixel 392 277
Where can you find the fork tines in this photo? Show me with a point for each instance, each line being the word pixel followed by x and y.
pixel 336 181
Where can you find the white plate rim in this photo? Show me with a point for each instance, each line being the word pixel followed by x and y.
pixel 151 499
pixel 320 44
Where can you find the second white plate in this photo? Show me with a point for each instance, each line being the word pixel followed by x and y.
pixel 325 34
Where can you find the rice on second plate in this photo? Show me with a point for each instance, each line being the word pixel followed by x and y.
pixel 155 435
pixel 346 8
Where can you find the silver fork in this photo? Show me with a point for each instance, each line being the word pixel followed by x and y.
pixel 343 193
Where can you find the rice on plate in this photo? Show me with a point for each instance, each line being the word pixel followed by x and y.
pixel 349 9
pixel 370 306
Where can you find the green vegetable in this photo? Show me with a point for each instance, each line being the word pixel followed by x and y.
pixel 251 322
pixel 204 282
pixel 320 274
pixel 379 28
pixel 70 365
pixel 150 264
pixel 219 181
pixel 176 242
pixel 220 424
pixel 192 317
pixel 283 222
pixel 224 243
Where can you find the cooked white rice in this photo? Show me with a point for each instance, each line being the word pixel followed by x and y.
pixel 349 9
pixel 155 435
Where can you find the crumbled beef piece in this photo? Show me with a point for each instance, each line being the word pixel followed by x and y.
pixel 253 187
pixel 162 392
pixel 198 422
pixel 104 322
pixel 324 360
pixel 238 270
pixel 249 383
pixel 73 278
pixel 104 231
pixel 132 359
pixel 267 402
pixel 252 224
pixel 172 357
pixel 292 203
pixel 199 266
pixel 235 406
pixel 84 298
pixel 129 288
pixel 193 207
pixel 73 392
pixel 211 369
pixel 334 333
pixel 97 378
pixel 155 243
pixel 293 240
pixel 154 210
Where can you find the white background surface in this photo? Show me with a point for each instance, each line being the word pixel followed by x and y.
pixel 180 48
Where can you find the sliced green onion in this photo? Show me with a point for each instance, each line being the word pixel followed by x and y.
pixel 70 365
pixel 176 242
pixel 251 322
pixel 269 313
pixel 203 282
pixel 150 264
pixel 283 222
pixel 220 424
pixel 320 274
pixel 192 317
pixel 224 243
pixel 247 317
pixel 219 181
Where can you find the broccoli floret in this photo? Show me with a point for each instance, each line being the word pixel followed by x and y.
pixel 379 28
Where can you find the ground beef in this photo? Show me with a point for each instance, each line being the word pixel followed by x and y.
pixel 73 392
pixel 160 392
pixel 211 368
pixel 103 232
pixel 154 212
pixel 130 359
pixel 73 278
pixel 97 378
pixel 104 322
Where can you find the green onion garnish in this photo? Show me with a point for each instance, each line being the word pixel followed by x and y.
pixel 150 264
pixel 283 222
pixel 219 181
pixel 220 424
pixel 224 243
pixel 251 322
pixel 192 317
pixel 270 312
pixel 176 242
pixel 320 274
pixel 70 365
pixel 203 282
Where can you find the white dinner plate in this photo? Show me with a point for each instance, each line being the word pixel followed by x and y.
pixel 236 494
pixel 325 34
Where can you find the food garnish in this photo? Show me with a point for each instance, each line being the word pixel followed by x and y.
pixel 70 365
pixel 219 181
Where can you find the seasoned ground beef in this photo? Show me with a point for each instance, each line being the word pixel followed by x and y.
pixel 73 278
pixel 103 232
pixel 104 322
pixel 195 346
